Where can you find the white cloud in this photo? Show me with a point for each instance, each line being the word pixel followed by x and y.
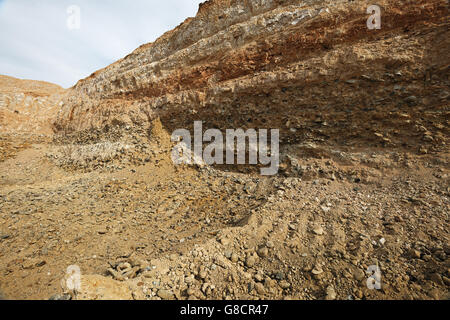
pixel 37 44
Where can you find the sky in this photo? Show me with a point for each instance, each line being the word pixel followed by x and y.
pixel 63 41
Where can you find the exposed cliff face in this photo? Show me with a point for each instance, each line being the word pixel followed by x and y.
pixel 27 106
pixel 27 112
pixel 311 68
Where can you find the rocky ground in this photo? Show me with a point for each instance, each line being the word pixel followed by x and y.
pixel 145 229
pixel 363 181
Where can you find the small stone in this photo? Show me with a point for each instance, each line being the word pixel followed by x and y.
pixel 269 283
pixel 263 252
pixel 41 263
pixel 316 271
pixel 415 254
pixel 259 287
pixel 234 258
pixel 205 287
pixel 259 277
pixel 189 280
pixel 435 293
pixel 318 230
pixel 4 236
pixel 190 292
pixel 250 261
pixel 359 274
pixel 33 263
pixel 228 254
pixel 382 241
pixel 173 257
pixel 284 284
pixel 165 294
pixel 279 275
pixel 269 244
pixel 426 257
pixel 411 100
pixel 202 274
pixel 436 278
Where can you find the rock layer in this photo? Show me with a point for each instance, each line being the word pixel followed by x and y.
pixel 310 68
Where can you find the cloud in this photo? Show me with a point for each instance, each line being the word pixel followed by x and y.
pixel 36 42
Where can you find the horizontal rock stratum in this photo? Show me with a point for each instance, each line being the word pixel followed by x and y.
pixel 272 63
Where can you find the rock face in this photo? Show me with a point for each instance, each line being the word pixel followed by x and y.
pixel 310 68
pixel 27 112
pixel 28 106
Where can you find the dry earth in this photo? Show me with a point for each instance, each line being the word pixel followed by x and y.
pixel 86 176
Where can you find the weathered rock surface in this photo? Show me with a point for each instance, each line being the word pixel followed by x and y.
pixel 311 68
pixel 28 106
pixel 27 112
